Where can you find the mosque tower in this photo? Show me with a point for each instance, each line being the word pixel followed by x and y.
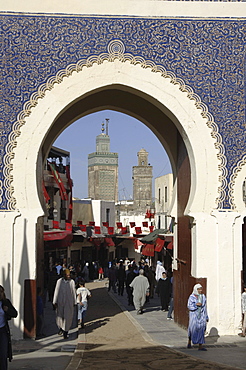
pixel 103 169
pixel 142 182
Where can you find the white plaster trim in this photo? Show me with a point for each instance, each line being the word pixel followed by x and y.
pixel 138 8
pixel 236 186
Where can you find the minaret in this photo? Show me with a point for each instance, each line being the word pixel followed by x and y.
pixel 103 169
pixel 142 182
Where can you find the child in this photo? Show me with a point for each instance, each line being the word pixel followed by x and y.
pixel 100 273
pixel 82 295
pixel 244 311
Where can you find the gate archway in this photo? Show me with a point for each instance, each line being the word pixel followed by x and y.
pixel 172 113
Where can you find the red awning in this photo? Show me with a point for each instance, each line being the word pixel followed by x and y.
pixel 58 239
pixel 57 235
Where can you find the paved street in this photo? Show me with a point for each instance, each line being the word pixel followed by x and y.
pixel 116 337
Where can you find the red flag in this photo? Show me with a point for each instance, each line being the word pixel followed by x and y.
pixel 69 226
pixel 59 182
pixel 46 195
pixel 109 242
pixel 56 225
pixel 97 230
pixel 137 243
pixel 97 242
pixel 92 223
pixel 105 224
pixel 159 244
pixel 82 227
pixel 151 228
pixel 124 230
pixel 145 223
pixel 132 224
pixel 147 215
pixel 148 250
pixel 170 245
pixel 138 230
pixel 119 225
pixel 111 230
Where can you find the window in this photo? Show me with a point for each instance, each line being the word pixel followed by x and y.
pixel 165 193
pixel 107 214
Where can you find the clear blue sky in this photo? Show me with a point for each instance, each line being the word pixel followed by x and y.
pixel 127 137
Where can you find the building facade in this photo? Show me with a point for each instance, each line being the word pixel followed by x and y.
pixel 103 171
pixel 163 200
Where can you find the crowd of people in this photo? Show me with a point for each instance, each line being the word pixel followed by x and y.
pixel 65 288
pixel 140 281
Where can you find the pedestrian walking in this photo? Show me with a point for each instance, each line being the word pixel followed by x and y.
pixel 130 275
pixel 163 290
pixel 198 317
pixel 85 272
pixel 82 302
pixel 159 270
pixel 64 301
pixel 121 278
pixel 112 278
pixel 7 311
pixel 100 273
pixel 140 287
pixel 170 309
pixel 53 277
pixel 243 299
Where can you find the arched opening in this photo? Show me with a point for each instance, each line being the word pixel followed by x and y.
pixel 172 117
pixel 147 110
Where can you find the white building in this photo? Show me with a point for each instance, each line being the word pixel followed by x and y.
pixel 163 199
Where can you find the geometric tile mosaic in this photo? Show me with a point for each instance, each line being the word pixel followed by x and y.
pixel 205 56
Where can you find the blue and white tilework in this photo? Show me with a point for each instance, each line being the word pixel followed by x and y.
pixel 207 55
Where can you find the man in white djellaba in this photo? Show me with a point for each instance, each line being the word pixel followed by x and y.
pixel 64 301
pixel 140 285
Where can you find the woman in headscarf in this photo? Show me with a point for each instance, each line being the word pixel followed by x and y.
pixel 7 311
pixel 159 270
pixel 198 318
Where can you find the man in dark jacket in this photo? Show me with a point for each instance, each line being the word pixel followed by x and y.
pixel 121 277
pixel 112 278
pixel 129 277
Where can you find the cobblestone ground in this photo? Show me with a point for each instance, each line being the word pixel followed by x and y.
pixel 113 342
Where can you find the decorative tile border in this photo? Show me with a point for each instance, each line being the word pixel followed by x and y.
pixel 205 57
